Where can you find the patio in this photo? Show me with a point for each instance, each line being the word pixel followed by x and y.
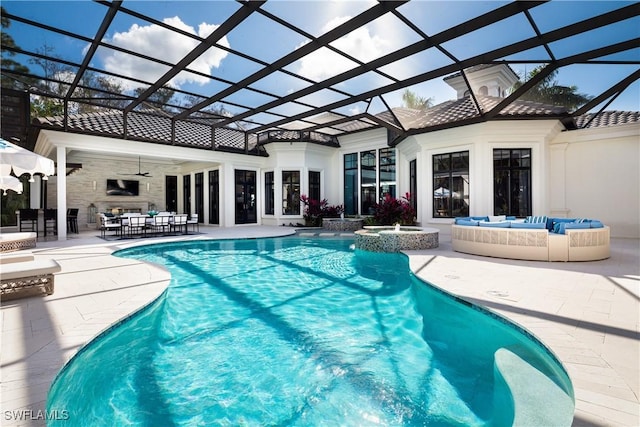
pixel 587 313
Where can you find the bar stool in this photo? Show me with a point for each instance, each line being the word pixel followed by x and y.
pixel 72 220
pixel 51 221
pixel 29 220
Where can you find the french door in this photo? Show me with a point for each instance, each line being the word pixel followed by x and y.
pixel 245 184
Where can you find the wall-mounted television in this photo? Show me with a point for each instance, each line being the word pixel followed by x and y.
pixel 122 187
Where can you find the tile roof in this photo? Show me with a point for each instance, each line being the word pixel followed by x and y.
pixel 148 127
pixel 464 109
pixel 607 118
pixel 197 133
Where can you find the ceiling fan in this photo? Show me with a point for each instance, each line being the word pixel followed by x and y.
pixel 140 173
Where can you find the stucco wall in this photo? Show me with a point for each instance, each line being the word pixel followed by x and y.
pixel 602 175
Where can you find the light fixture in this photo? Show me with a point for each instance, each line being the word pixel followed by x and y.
pixel 94 185
pixel 148 187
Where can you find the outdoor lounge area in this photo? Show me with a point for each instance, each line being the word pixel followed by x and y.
pixel 533 238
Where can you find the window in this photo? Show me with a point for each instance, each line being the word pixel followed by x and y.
pixel 413 184
pixel 314 185
pixel 214 197
pixel 451 185
pixel 368 197
pixel 387 172
pixel 269 195
pixel 377 173
pixel 291 192
pixel 512 182
pixel 351 184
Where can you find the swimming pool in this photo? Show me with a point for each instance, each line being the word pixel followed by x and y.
pixel 294 331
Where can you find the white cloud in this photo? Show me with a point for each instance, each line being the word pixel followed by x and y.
pixel 360 43
pixel 157 42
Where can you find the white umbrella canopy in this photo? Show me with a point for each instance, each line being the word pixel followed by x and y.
pixel 9 182
pixel 13 157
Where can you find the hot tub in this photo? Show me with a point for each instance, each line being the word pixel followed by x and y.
pixel 396 239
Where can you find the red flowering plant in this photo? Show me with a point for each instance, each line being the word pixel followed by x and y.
pixel 393 211
pixel 315 210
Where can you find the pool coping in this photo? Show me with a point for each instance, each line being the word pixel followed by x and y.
pixel 586 313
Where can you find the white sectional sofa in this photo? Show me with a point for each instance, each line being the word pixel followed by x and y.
pixel 576 240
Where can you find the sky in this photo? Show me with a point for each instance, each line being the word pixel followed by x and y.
pixel 268 41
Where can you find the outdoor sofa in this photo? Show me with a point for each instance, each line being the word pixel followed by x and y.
pixel 538 238
pixel 21 271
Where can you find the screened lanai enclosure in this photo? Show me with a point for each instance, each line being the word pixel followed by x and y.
pixel 230 83
pixel 227 75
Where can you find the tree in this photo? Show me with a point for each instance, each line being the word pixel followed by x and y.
pixel 411 100
pixel 6 59
pixel 160 98
pixel 549 91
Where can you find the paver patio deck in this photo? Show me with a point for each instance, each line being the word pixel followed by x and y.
pixel 588 314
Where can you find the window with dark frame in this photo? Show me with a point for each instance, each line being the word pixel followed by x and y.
pixel 291 192
pixel 368 199
pixel 512 182
pixel 387 172
pixel 451 185
pixel 269 194
pixel 314 185
pixel 351 184
pixel 413 184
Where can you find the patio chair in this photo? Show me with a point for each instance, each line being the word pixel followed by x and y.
pixel 109 224
pixel 134 225
pixel 29 220
pixel 193 221
pixel 72 220
pixel 51 221
pixel 178 222
pixel 159 224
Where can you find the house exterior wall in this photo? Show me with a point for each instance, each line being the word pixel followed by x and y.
pixel 302 157
pixel 601 172
pixel 480 140
pixel 590 173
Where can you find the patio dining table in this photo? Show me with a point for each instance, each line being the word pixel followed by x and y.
pixel 146 225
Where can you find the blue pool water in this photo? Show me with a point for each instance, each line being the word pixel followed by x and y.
pixel 293 331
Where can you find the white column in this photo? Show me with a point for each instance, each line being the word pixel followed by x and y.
pixel 556 187
pixel 205 197
pixel 35 193
pixel 62 192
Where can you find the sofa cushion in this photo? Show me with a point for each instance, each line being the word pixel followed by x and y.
pixel 554 223
pixel 530 225
pixel 480 218
pixel 468 222
pixel 536 219
pixel 495 224
pixel 494 218
pixel 594 223
pixel 461 218
pixel 576 225
pixel 563 226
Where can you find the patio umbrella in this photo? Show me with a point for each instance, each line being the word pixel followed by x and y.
pixel 20 161
pixel 9 182
pixel 441 192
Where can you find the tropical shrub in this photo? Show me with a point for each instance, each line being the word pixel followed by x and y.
pixel 393 211
pixel 315 210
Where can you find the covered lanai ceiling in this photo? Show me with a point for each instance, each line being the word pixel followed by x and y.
pixel 236 75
